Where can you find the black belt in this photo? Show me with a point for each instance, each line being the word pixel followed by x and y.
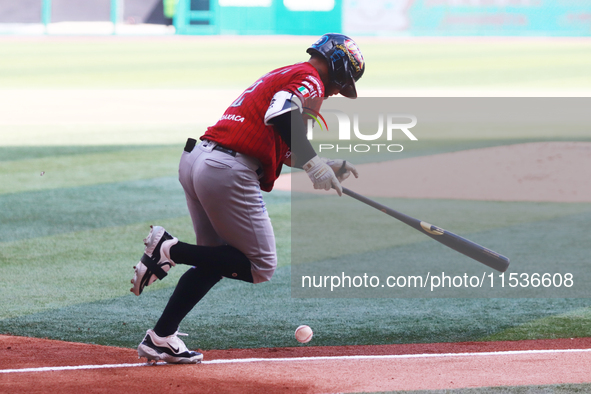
pixel 225 150
pixel 190 145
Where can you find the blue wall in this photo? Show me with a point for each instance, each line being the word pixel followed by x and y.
pixel 275 18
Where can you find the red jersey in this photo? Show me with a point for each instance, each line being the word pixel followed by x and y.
pixel 242 127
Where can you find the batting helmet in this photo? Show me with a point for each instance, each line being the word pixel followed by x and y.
pixel 345 61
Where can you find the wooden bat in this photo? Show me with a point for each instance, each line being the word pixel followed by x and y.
pixel 449 239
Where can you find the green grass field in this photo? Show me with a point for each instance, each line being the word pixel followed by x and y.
pixel 69 237
pixel 218 62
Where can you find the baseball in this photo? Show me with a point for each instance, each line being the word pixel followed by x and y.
pixel 303 334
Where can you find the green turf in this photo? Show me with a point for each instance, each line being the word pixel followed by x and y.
pixel 226 317
pixel 537 254
pixel 17 153
pixel 63 263
pixel 557 326
pixel 375 231
pixel 59 265
pixel 69 238
pixel 459 64
pixel 64 171
pixel 54 211
pixel 118 62
pixel 66 255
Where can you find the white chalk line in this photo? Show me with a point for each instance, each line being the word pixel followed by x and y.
pixel 299 359
pixel 76 367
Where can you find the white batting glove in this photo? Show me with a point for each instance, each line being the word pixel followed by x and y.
pixel 322 175
pixel 341 168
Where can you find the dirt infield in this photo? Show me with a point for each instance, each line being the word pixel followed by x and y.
pixel 93 368
pixel 541 171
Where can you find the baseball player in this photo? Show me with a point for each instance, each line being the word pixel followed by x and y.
pixel 223 176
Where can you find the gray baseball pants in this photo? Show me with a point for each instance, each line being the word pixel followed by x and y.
pixel 226 205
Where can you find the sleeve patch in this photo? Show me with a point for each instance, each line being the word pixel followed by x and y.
pixel 305 93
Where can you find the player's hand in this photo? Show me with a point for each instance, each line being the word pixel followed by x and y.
pixel 342 168
pixel 322 175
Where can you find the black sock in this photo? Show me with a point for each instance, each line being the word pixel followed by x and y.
pixel 223 260
pixel 211 263
pixel 192 287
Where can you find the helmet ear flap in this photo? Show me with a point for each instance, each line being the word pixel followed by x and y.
pixel 349 89
pixel 347 86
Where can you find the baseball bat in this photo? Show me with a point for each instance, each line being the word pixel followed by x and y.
pixel 449 239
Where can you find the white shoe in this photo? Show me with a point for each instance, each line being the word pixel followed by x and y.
pixel 170 349
pixel 156 261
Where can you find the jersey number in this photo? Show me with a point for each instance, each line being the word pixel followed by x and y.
pixel 240 99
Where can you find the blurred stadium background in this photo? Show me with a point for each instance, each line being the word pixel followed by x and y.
pixel 300 17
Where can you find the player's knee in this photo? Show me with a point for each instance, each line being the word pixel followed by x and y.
pixel 263 267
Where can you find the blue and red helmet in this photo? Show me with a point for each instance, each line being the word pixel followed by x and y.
pixel 345 61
